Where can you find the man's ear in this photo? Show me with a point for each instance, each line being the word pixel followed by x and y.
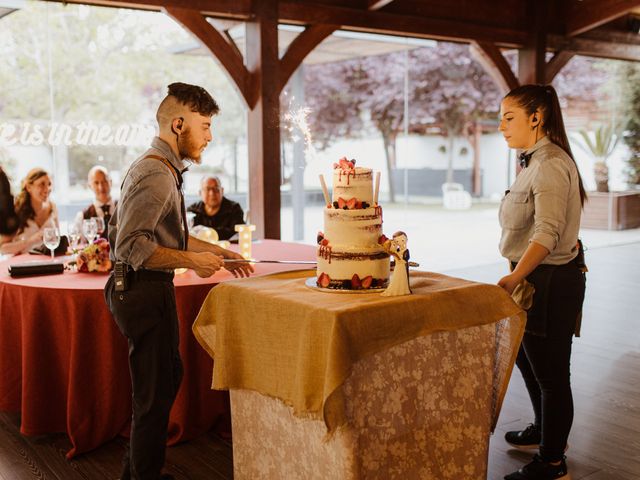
pixel 176 125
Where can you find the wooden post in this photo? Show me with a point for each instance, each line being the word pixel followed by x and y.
pixel 264 121
pixel 531 58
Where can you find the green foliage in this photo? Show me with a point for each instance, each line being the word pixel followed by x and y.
pixel 632 133
pixel 74 63
pixel 603 143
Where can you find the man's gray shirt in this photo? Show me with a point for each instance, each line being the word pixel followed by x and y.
pixel 148 214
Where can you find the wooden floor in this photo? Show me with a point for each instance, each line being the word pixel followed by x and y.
pixel 605 439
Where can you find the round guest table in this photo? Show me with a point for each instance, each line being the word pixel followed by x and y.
pixel 63 361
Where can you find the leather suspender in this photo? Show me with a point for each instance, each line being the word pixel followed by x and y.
pixel 178 178
pixel 172 169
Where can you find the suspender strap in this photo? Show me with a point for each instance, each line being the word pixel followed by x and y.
pixel 176 175
pixel 178 178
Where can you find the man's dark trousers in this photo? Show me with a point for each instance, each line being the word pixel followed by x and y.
pixel 146 315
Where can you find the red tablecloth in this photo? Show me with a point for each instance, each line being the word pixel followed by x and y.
pixel 63 361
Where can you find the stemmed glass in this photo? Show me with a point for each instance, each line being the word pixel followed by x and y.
pixel 90 229
pixel 191 220
pixel 99 225
pixel 51 239
pixel 73 230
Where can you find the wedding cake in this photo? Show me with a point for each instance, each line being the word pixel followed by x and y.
pixel 350 254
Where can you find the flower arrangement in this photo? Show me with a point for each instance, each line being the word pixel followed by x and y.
pixel 94 257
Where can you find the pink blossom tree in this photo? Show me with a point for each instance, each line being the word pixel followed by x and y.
pixel 448 92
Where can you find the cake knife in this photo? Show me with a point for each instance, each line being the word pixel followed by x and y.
pixel 244 260
pixel 291 262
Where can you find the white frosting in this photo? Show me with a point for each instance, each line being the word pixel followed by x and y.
pixel 357 183
pixel 343 268
pixel 353 229
pixel 351 235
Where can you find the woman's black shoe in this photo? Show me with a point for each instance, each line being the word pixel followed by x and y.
pixel 527 439
pixel 538 469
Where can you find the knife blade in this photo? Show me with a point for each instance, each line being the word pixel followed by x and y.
pixel 291 262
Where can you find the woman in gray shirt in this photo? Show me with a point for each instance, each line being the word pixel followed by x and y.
pixel 540 219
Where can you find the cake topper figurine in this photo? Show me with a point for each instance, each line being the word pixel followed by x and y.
pixel 399 282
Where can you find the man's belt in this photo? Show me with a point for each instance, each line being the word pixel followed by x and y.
pixel 124 274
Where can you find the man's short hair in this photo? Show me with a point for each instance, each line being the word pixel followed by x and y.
pixel 206 178
pixel 196 98
pixel 98 168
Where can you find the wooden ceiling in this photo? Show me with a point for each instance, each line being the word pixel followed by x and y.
pixel 601 28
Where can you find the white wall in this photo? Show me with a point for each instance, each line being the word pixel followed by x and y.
pixel 413 152
pixel 416 152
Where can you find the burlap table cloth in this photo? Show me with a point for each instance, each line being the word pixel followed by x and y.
pixel 277 336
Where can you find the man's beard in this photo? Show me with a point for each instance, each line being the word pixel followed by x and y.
pixel 187 147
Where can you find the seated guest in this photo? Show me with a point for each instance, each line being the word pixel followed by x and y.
pixel 34 211
pixel 8 217
pixel 103 206
pixel 216 211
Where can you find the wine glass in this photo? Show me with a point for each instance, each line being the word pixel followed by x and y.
pixel 191 220
pixel 73 230
pixel 99 225
pixel 51 239
pixel 90 229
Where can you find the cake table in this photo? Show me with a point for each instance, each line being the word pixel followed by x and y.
pixel 345 386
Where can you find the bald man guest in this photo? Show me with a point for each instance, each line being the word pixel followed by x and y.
pixel 103 205
pixel 215 210
pixel 148 236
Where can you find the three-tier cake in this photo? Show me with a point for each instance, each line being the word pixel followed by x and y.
pixel 350 254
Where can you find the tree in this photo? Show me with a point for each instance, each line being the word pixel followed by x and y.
pixel 335 108
pixel 604 142
pixel 108 66
pixel 379 83
pixel 448 92
pixel 632 134
pixel 458 92
pixel 447 89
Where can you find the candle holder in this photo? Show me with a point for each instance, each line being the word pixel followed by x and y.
pixel 244 240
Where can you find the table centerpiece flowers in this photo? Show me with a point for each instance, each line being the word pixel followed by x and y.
pixel 94 257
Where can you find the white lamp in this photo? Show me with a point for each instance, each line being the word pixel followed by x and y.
pixel 244 240
pixel 203 233
pixel 206 234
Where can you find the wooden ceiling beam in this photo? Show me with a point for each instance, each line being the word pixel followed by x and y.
pixel 370 18
pixel 234 9
pixel 555 64
pixel 221 46
pixel 301 46
pixel 494 63
pixel 306 13
pixel 585 15
pixel 590 45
